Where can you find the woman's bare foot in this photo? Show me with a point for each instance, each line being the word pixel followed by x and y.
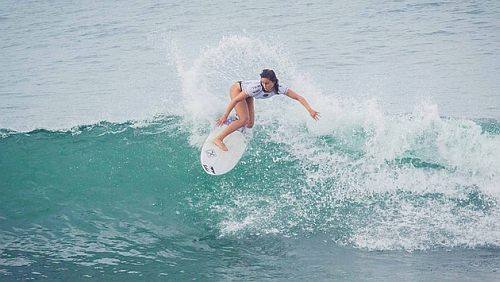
pixel 219 144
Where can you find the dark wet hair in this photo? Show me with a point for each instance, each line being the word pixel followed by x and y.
pixel 269 74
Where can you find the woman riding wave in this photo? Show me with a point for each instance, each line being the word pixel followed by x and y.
pixel 242 95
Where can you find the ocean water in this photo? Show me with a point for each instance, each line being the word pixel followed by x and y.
pixel 104 107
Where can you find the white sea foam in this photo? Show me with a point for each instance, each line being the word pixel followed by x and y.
pixel 206 81
pixel 411 173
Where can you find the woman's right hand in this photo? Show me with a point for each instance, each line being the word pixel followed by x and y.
pixel 315 115
pixel 220 121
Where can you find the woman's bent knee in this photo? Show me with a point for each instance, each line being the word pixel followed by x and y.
pixel 243 121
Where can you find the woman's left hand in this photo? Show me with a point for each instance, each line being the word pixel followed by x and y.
pixel 220 121
pixel 314 114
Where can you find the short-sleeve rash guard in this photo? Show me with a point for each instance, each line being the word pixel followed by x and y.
pixel 254 89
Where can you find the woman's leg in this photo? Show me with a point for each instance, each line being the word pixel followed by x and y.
pixel 251 112
pixel 242 112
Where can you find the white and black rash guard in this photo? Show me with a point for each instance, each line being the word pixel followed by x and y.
pixel 254 89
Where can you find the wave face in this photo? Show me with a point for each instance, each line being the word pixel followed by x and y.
pixel 410 182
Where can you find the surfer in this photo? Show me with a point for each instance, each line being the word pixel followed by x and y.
pixel 242 95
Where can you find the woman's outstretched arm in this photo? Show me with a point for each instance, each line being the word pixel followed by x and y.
pixel 292 94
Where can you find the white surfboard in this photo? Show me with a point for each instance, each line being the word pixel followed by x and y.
pixel 216 161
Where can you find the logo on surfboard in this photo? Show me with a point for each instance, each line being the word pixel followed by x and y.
pixel 210 153
pixel 208 169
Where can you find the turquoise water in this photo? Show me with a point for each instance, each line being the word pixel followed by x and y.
pixel 104 107
pixel 130 201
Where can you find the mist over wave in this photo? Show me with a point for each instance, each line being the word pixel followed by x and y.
pixel 371 179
